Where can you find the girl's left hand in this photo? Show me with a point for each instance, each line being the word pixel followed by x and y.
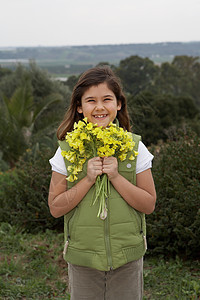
pixel 110 167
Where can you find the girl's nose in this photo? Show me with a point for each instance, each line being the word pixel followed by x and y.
pixel 99 105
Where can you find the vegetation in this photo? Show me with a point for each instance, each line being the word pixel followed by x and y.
pixel 24 192
pixel 164 105
pixel 32 267
pixel 174 227
pixel 155 116
pixel 177 78
pixel 28 102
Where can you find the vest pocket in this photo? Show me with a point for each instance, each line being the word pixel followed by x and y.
pixel 134 252
pixel 136 216
pixel 126 169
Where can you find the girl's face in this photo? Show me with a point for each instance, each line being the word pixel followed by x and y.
pixel 99 105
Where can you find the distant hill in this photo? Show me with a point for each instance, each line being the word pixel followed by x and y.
pixel 74 59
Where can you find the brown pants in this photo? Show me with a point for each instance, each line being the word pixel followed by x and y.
pixel 124 283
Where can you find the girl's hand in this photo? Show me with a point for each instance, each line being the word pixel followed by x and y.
pixel 110 167
pixel 94 168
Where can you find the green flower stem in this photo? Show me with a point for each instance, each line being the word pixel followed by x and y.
pixel 101 186
pixel 98 188
pixel 108 182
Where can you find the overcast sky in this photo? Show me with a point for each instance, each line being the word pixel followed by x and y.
pixel 91 22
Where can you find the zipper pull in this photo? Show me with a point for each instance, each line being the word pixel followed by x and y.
pixel 65 247
pixel 103 215
pixel 145 242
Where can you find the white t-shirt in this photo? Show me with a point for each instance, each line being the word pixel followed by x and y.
pixel 144 160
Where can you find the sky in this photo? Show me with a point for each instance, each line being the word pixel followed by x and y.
pixel 91 22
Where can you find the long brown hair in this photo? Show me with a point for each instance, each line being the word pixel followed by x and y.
pixel 94 77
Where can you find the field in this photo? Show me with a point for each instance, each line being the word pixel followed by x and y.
pixel 32 267
pixel 69 60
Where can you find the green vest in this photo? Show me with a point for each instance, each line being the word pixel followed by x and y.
pixel 110 243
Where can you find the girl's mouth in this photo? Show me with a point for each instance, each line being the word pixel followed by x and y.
pixel 100 116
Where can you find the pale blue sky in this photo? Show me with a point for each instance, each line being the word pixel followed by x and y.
pixel 91 22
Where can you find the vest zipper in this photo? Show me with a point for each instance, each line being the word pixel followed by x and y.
pixel 68 235
pixel 107 240
pixel 65 246
pixel 144 236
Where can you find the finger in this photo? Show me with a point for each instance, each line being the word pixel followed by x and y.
pixel 97 165
pixel 108 158
pixel 97 162
pixel 109 162
pixel 94 159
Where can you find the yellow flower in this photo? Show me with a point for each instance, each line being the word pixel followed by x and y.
pixel 63 153
pixel 75 177
pixel 69 168
pixel 122 156
pixel 71 156
pixel 77 169
pixel 80 125
pixel 75 125
pixel 83 136
pixel 81 149
pixel 107 140
pixel 123 147
pixel 131 157
pixel 100 134
pixel 105 151
pixel 70 178
pixel 82 161
pixel 89 126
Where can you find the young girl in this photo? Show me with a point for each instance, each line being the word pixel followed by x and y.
pixel 105 257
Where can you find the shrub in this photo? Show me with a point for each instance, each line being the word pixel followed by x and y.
pixel 24 193
pixel 174 227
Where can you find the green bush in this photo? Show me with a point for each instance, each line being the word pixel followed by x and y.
pixel 174 227
pixel 24 193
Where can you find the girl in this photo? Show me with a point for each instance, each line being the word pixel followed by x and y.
pixel 105 257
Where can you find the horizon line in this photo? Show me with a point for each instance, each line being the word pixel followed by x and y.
pixel 96 45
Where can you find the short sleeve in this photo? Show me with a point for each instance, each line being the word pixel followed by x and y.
pixel 57 163
pixel 144 158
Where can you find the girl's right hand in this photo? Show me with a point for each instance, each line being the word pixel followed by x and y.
pixel 94 168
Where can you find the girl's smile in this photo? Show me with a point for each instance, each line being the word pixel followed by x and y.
pixel 99 105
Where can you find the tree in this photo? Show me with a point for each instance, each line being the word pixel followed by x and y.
pixel 71 81
pixel 4 72
pixel 179 78
pixel 167 80
pixel 189 68
pixel 136 73
pixel 154 115
pixel 19 117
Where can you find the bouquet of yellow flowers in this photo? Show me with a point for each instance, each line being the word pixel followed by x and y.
pixel 87 140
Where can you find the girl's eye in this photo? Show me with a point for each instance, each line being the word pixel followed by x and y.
pixel 107 99
pixel 90 100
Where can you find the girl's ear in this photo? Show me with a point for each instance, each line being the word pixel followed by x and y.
pixel 79 109
pixel 119 105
